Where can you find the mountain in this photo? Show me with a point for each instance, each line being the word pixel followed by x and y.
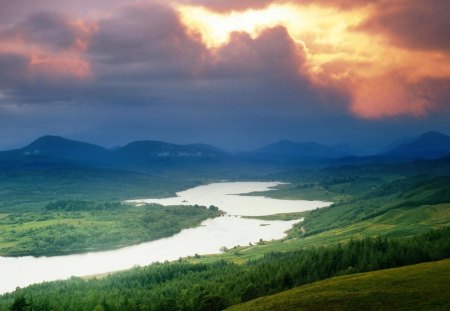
pixel 59 148
pixel 398 143
pixel 287 150
pixel 152 154
pixel 351 149
pixel 139 154
pixel 429 145
pixel 146 149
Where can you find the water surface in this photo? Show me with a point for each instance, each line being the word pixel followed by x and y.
pixel 209 238
pixel 228 197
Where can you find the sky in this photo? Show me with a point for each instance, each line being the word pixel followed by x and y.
pixel 237 74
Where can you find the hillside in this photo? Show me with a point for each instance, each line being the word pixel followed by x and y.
pixel 29 184
pixel 286 150
pixel 182 285
pixel 418 287
pixel 68 227
pixel 138 153
pixel 144 155
pixel 59 148
pixel 428 145
pixel 148 148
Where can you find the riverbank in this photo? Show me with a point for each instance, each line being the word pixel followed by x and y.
pixel 212 236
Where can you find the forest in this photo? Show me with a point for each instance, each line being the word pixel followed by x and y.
pixel 214 286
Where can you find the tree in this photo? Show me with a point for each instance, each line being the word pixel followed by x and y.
pixel 213 208
pixel 20 304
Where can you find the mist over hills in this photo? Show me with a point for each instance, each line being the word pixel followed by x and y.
pixel 150 153
pixel 139 152
pixel 62 148
pixel 288 150
pixel 428 145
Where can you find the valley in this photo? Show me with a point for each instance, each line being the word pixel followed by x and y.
pixel 208 155
pixel 372 201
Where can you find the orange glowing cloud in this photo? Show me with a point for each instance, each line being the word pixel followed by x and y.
pixel 47 61
pixel 381 78
pixel 57 66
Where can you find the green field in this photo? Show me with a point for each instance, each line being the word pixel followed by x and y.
pixel 66 227
pixel 424 286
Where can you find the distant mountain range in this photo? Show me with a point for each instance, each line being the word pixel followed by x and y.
pixel 429 145
pixel 134 154
pixel 149 153
pixel 286 150
pixel 61 148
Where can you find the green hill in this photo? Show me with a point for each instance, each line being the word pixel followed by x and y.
pixel 419 287
pixel 212 286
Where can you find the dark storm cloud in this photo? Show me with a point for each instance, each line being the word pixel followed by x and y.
pixel 13 70
pixel 48 29
pixel 416 24
pixel 145 42
pixel 142 53
pixel 12 11
pixel 271 53
pixel 117 71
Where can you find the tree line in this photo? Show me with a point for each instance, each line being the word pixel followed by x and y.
pixel 214 286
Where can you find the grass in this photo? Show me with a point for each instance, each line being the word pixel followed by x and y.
pixel 281 216
pixel 418 287
pixel 402 222
pixel 56 232
pixel 301 191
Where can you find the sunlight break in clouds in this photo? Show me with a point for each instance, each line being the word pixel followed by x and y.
pixel 381 79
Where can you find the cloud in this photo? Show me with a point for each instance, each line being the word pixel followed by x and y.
pixel 230 5
pixel 50 49
pixel 13 70
pixel 388 96
pixel 281 67
pixel 50 30
pixel 272 54
pixel 416 24
pixel 369 50
pixel 243 5
pixel 145 41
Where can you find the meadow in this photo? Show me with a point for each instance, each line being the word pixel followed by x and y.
pixel 418 287
pixel 66 227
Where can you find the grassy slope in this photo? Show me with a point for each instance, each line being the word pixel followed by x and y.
pixel 400 208
pixel 63 232
pixel 183 286
pixel 396 223
pixel 401 194
pixel 419 287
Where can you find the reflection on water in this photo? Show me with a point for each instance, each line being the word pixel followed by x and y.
pixel 210 237
pixel 226 196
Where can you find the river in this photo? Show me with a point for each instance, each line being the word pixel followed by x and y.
pixel 213 234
